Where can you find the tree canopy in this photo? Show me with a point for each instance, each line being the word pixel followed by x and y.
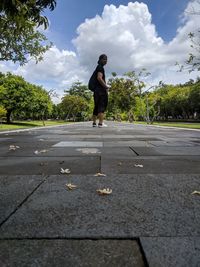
pixel 17 95
pixel 22 10
pixel 20 40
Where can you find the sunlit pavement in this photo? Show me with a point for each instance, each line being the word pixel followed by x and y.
pixel 151 218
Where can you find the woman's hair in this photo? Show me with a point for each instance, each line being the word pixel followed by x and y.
pixel 101 57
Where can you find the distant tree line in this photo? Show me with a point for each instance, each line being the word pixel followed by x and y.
pixel 129 99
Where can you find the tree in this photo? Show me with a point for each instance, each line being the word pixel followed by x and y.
pixel 26 10
pixel 73 106
pixel 14 94
pixel 123 92
pixel 17 95
pixel 80 89
pixel 18 22
pixel 41 104
pixel 19 47
pixel 193 61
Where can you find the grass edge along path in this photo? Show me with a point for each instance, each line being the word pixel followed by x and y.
pixel 29 124
pixel 187 125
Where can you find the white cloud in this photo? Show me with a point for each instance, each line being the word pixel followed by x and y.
pixel 58 70
pixel 126 34
pixel 129 38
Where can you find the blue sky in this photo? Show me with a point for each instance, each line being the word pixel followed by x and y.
pixel 69 14
pixel 151 34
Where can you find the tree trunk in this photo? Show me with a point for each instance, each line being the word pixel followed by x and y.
pixel 8 114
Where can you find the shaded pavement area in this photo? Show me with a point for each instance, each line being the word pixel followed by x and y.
pixel 151 218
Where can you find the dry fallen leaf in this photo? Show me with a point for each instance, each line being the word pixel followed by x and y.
pixel 196 193
pixel 13 147
pixel 65 171
pixel 138 165
pixel 105 191
pixel 71 186
pixel 99 174
pixel 41 151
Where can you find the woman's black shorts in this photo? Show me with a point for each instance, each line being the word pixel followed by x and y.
pixel 100 101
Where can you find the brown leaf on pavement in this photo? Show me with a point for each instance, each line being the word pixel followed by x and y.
pixel 105 191
pixel 138 165
pixel 99 174
pixel 65 171
pixel 40 151
pixel 13 147
pixel 196 193
pixel 71 186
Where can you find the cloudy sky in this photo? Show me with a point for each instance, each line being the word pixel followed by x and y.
pixel 145 34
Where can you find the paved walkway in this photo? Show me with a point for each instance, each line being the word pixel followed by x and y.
pixel 151 218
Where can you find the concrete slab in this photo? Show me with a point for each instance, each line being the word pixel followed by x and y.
pixel 49 165
pixel 156 208
pixel 174 151
pixel 151 164
pixel 13 191
pixel 117 152
pixel 140 205
pixel 172 251
pixel 4 139
pixel 83 151
pixel 77 253
pixel 170 143
pixel 25 149
pixel 78 144
pixel 127 143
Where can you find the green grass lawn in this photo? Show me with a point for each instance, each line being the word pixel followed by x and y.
pixel 190 125
pixel 28 124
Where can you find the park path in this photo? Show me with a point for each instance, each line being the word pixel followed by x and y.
pixel 151 218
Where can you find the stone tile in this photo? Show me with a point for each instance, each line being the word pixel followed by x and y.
pixel 61 253
pixel 25 149
pixel 172 251
pixel 78 144
pixel 13 190
pixel 140 205
pixel 48 165
pixel 174 151
pixel 129 143
pixel 170 143
pixel 117 152
pixel 151 164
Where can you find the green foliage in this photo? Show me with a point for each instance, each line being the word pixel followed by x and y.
pixel 80 89
pixel 2 112
pixel 18 47
pixel 26 10
pixel 20 97
pixel 178 101
pixel 19 38
pixel 122 94
pixel 130 100
pixel 139 109
pixel 74 107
